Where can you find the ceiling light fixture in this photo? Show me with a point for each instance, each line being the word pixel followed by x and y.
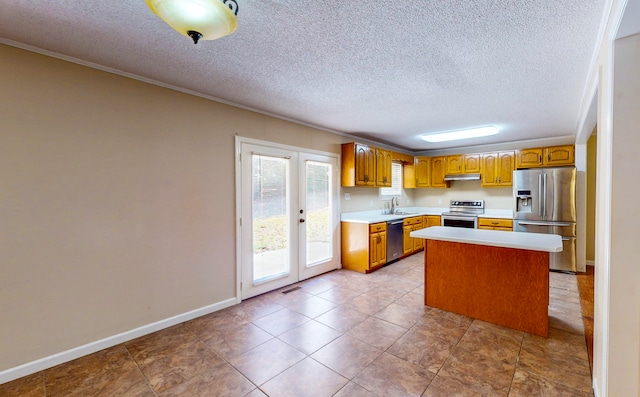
pixel 198 19
pixel 461 134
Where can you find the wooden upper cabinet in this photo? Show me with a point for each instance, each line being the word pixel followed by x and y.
pixel 529 158
pixel 408 176
pixel 438 171
pixel 471 164
pixel 383 168
pixel 422 171
pixel 497 169
pixel 559 155
pixel 506 165
pixel 489 169
pixel 546 156
pixel 358 165
pixel 463 164
pixel 455 164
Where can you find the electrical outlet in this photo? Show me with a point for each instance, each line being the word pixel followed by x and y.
pixel 347 196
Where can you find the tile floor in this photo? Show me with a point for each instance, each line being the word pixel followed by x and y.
pixel 340 334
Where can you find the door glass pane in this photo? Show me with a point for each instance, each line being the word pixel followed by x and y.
pixel 270 212
pixel 318 205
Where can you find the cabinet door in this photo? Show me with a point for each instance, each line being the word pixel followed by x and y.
pixel 365 165
pixel 454 164
pixel 377 249
pixel 559 155
pixel 438 172
pixel 418 242
pixel 505 168
pixel 471 164
pixel 423 171
pixel 489 169
pixel 383 168
pixel 529 158
pixel 407 240
pixel 431 220
pixel 408 176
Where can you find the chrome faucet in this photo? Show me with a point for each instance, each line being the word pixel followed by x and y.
pixel 393 206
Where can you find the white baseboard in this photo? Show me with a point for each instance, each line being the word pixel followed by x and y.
pixel 71 354
pixel 591 263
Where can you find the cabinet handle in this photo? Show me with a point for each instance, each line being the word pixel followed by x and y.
pixel 549 157
pixel 540 159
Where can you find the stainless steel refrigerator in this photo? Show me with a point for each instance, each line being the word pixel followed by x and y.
pixel 545 202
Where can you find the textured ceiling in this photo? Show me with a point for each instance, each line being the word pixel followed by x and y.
pixel 384 70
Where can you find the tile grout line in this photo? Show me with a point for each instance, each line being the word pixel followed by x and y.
pixel 153 390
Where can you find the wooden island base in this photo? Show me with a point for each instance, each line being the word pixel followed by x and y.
pixel 504 286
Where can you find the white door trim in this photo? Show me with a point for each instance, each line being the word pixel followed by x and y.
pixel 239 140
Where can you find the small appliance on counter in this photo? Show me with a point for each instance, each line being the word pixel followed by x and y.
pixel 545 202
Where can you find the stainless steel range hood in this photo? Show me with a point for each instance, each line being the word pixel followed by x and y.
pixel 462 177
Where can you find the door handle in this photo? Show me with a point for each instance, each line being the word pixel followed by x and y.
pixel 544 201
pixel 540 198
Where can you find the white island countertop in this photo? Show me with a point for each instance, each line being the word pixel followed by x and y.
pixel 494 238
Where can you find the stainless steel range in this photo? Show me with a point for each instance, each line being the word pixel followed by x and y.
pixel 463 214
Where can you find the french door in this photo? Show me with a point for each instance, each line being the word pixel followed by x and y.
pixel 288 215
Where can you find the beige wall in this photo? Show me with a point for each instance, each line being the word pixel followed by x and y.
pixel 591 197
pixel 117 202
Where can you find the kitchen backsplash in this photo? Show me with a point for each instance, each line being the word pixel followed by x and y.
pixel 366 199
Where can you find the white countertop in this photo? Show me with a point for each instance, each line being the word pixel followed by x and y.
pixel 494 238
pixel 376 216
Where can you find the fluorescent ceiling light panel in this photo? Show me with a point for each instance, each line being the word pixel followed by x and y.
pixel 461 134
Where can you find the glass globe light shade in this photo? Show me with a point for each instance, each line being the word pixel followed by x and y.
pixel 198 19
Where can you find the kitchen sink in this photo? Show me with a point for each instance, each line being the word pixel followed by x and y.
pixel 403 213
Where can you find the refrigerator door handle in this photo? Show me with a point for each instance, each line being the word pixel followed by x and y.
pixel 544 195
pixel 540 196
pixel 531 223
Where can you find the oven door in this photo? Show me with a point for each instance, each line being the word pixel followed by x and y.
pixel 470 222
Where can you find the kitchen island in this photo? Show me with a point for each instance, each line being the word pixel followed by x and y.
pixel 495 276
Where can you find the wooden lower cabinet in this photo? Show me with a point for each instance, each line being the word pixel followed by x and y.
pixel 495 224
pixel 431 220
pixel 377 245
pixel 364 246
pixel 410 244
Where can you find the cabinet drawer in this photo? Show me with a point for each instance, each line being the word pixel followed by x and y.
pixel 412 221
pixel 377 227
pixel 508 223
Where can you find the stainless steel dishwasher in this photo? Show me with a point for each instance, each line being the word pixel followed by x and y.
pixel 394 240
